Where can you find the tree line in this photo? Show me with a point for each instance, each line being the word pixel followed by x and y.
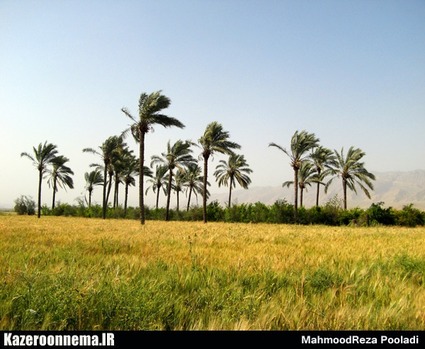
pixel 176 169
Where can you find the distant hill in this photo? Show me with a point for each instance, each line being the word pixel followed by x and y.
pixel 394 189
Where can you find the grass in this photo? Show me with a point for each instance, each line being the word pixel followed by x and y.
pixel 61 273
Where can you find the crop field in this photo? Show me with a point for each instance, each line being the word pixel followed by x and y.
pixel 59 273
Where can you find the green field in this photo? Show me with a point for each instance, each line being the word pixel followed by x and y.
pixel 60 273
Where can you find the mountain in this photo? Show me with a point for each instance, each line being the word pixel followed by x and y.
pixel 394 189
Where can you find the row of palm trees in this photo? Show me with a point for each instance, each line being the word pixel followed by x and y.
pixel 311 162
pixel 48 163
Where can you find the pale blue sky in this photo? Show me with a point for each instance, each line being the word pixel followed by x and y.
pixel 352 72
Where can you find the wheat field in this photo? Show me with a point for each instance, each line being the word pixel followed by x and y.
pixel 59 273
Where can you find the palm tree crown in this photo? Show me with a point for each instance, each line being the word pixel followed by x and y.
pixel 60 175
pixel 150 107
pixel 235 169
pixel 43 156
pixel 301 143
pixel 352 172
pixel 177 155
pixel 214 139
pixel 93 179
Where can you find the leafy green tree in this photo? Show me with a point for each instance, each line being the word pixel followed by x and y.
pixel 351 170
pixel 178 156
pixel 93 178
pixel 42 158
pixel 214 140
pixel 301 143
pixel 60 175
pixel 322 158
pixel 24 205
pixel 150 108
pixel 235 169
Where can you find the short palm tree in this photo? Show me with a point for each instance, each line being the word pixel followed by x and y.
pixel 178 156
pixel 301 143
pixel 150 108
pixel 214 140
pixel 107 153
pixel 322 158
pixel 352 172
pixel 159 181
pixel 306 177
pixel 60 175
pixel 43 156
pixel 194 181
pixel 93 179
pixel 235 169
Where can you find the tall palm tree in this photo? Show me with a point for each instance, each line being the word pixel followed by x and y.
pixel 107 153
pixel 60 175
pixel 306 177
pixel 322 158
pixel 177 155
pixel 352 172
pixel 214 140
pixel 43 156
pixel 178 183
pixel 93 179
pixel 301 143
pixel 150 107
pixel 194 181
pixel 158 181
pixel 235 169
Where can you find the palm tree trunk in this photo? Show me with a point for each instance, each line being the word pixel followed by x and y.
pixel 178 200
pixel 125 199
pixel 54 193
pixel 157 197
pixel 230 192
pixel 105 173
pixel 204 189
pixel 167 210
pixel 188 199
pixel 296 193
pixel 344 190
pixel 301 196
pixel 318 189
pixel 141 175
pixel 90 198
pixel 40 178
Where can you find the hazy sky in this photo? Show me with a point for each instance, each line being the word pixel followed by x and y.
pixel 352 72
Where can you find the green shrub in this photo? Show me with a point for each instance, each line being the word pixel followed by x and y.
pixel 24 205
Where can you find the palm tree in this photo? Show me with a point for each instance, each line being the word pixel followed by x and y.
pixel 234 170
pixel 301 143
pixel 178 183
pixel 92 179
pixel 352 172
pixel 129 171
pixel 322 159
pixel 43 156
pixel 107 153
pixel 177 155
pixel 214 139
pixel 193 180
pixel 158 181
pixel 150 107
pixel 60 174
pixel 306 177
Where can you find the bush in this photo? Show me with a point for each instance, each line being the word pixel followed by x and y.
pixel 24 205
pixel 410 216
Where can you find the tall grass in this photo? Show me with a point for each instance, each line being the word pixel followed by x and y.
pixel 80 274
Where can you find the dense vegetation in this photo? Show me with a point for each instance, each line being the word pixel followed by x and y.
pixel 331 213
